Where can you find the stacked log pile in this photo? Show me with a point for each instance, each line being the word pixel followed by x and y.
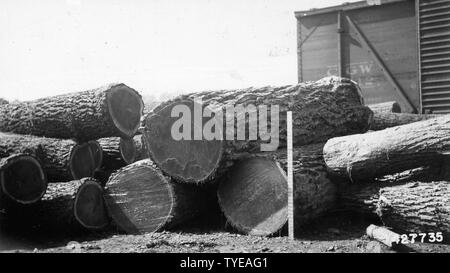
pixel 132 173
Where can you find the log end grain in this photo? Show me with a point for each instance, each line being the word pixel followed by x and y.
pixel 192 161
pixel 127 149
pixel 89 205
pixel 125 106
pixel 139 198
pixel 22 178
pixel 253 196
pixel 85 159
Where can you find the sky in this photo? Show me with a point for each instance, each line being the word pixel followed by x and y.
pixel 158 47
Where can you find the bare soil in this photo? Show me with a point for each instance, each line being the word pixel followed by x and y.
pixel 337 233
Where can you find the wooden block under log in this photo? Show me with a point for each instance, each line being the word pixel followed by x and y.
pixel 412 206
pixel 112 110
pixel 253 193
pixel 321 110
pixel 22 180
pixel 62 160
pixel 71 207
pixel 386 107
pixel 363 157
pixel 141 199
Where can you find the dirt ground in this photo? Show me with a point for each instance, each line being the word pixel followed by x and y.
pixel 332 234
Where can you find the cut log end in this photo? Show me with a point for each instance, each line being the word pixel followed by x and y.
pixel 97 153
pixel 192 161
pixel 22 179
pixel 89 206
pixel 139 198
pixel 125 107
pixel 253 196
pixel 127 150
pixel 84 160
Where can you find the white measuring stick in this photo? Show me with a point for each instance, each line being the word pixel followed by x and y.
pixel 290 177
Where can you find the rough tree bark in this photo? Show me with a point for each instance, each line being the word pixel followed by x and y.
pixel 253 193
pixel 62 160
pixel 113 110
pixel 141 199
pixel 386 107
pixel 22 180
pixel 71 207
pixel 383 120
pixel 365 156
pixel 408 206
pixel 321 110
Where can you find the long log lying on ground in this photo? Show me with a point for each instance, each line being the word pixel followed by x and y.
pixel 386 107
pixel 321 110
pixel 22 180
pixel 70 207
pixel 141 199
pixel 366 156
pixel 411 206
pixel 383 120
pixel 62 160
pixel 253 193
pixel 113 110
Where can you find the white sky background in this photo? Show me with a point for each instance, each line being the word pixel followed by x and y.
pixel 158 47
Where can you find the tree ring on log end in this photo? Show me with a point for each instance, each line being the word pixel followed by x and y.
pixel 192 161
pixel 97 153
pixel 139 198
pixel 125 107
pixel 22 179
pixel 127 150
pixel 253 196
pixel 82 161
pixel 89 206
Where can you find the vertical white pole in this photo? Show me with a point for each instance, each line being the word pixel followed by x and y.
pixel 290 177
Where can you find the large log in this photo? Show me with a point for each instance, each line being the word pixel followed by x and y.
pixel 253 193
pixel 321 110
pixel 386 107
pixel 113 110
pixel 71 207
pixel 409 206
pixel 22 180
pixel 366 156
pixel 141 199
pixel 62 160
pixel 383 120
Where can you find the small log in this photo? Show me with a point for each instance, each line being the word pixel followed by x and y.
pixel 363 157
pixel 321 110
pixel 117 152
pixel 383 120
pixel 141 199
pixel 253 193
pixel 383 235
pixel 386 107
pixel 22 180
pixel 62 160
pixel 71 207
pixel 113 110
pixel 410 206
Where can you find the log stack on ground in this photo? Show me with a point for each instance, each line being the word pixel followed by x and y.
pixel 113 110
pixel 263 177
pixel 141 199
pixel 71 207
pixel 363 157
pixel 22 180
pixel 321 110
pixel 62 160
